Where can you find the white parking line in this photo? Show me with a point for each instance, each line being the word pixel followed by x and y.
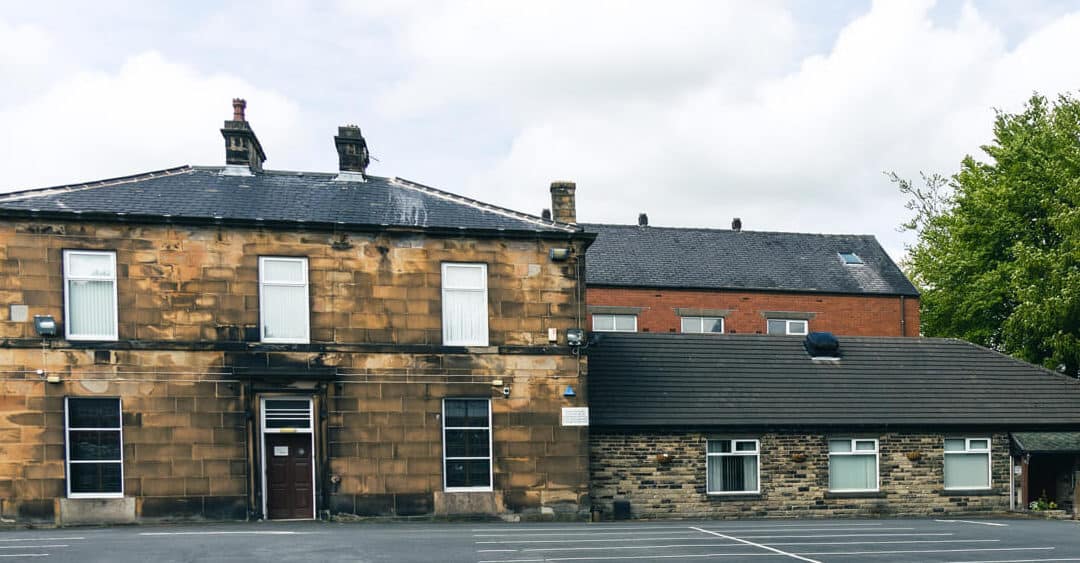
pixel 562 535
pixel 669 529
pixel 41 539
pixel 606 527
pixel 927 534
pixel 932 551
pixel 765 547
pixel 685 536
pixel 33 546
pixel 26 555
pixel 618 547
pixel 247 533
pixel 1017 560
pixel 626 557
pixel 971 522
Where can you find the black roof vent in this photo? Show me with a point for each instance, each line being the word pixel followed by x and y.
pixel 545 214
pixel 642 220
pixel 822 345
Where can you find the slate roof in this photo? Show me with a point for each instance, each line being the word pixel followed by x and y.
pixel 666 257
pixel 687 380
pixel 1047 442
pixel 190 192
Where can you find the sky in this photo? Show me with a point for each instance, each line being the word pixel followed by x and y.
pixel 785 114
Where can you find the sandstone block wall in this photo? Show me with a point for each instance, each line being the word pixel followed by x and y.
pixel 623 466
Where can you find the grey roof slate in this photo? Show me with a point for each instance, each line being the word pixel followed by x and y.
pixel 1044 442
pixel 667 257
pixel 686 380
pixel 276 196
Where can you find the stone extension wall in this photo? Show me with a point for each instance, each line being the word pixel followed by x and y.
pixel 623 466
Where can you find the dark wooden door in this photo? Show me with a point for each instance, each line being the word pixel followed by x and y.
pixel 288 476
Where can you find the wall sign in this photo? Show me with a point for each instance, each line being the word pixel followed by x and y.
pixel 281 451
pixel 575 416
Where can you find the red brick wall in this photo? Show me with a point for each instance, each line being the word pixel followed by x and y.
pixel 849 315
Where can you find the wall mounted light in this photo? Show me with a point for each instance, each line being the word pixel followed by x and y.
pixel 559 254
pixel 575 337
pixel 45 326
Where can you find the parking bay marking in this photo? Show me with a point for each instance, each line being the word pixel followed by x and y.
pixel 612 548
pixel 605 527
pixel 33 546
pixel 971 522
pixel 765 547
pixel 671 529
pixel 229 533
pixel 40 539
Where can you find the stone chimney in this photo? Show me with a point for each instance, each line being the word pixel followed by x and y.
pixel 352 150
pixel 242 147
pixel 562 202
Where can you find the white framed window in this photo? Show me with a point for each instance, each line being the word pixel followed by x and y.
pixel 467 445
pixel 90 295
pixel 787 326
pixel 714 325
pixel 731 466
pixel 283 300
pixel 614 323
pixel 94 448
pixel 850 258
pixel 967 463
pixel 853 465
pixel 464 304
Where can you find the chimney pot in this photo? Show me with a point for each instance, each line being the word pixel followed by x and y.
pixel 562 202
pixel 736 224
pixel 242 147
pixel 352 150
pixel 642 220
pixel 545 214
pixel 238 105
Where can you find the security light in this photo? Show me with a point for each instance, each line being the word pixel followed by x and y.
pixel 575 336
pixel 45 325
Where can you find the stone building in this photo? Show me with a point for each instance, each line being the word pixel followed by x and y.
pixel 232 342
pixel 643 278
pixel 729 426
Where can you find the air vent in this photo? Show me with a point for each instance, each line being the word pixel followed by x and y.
pixel 822 345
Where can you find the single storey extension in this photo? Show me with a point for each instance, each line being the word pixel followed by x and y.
pixel 761 426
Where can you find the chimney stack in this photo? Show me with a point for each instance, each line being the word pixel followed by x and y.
pixel 242 147
pixel 562 202
pixel 736 224
pixel 352 151
pixel 642 220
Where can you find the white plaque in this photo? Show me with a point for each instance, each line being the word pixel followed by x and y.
pixel 575 416
pixel 281 451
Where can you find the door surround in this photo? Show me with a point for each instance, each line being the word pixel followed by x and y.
pixel 305 424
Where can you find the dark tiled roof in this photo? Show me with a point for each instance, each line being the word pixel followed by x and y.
pixel 667 380
pixel 1059 442
pixel 633 256
pixel 273 196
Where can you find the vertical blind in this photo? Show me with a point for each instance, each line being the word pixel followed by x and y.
pixel 91 294
pixel 967 463
pixel 732 471
pixel 853 468
pixel 464 305
pixel 284 299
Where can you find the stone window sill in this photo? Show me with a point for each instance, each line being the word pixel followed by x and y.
pixel 971 493
pixel 733 497
pixel 867 494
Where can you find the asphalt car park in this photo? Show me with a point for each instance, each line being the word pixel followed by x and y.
pixel 763 541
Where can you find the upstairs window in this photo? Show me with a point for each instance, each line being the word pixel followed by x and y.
pixel 283 300
pixel 464 305
pixel 95 448
pixel 967 463
pixel 787 326
pixel 732 466
pixel 713 325
pixel 850 258
pixel 90 295
pixel 614 323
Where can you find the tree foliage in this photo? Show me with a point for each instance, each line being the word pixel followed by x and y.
pixel 998 251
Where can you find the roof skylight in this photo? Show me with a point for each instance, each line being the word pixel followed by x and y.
pixel 850 258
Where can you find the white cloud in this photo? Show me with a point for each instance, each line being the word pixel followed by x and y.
pixel 23 44
pixel 697 127
pixel 149 114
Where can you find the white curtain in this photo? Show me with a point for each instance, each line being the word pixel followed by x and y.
pixel 464 318
pixel 853 472
pixel 285 311
pixel 967 471
pixel 92 308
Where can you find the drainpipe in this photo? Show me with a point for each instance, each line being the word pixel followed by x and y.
pixel 1012 484
pixel 903 320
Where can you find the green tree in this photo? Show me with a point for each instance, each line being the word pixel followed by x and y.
pixel 998 251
